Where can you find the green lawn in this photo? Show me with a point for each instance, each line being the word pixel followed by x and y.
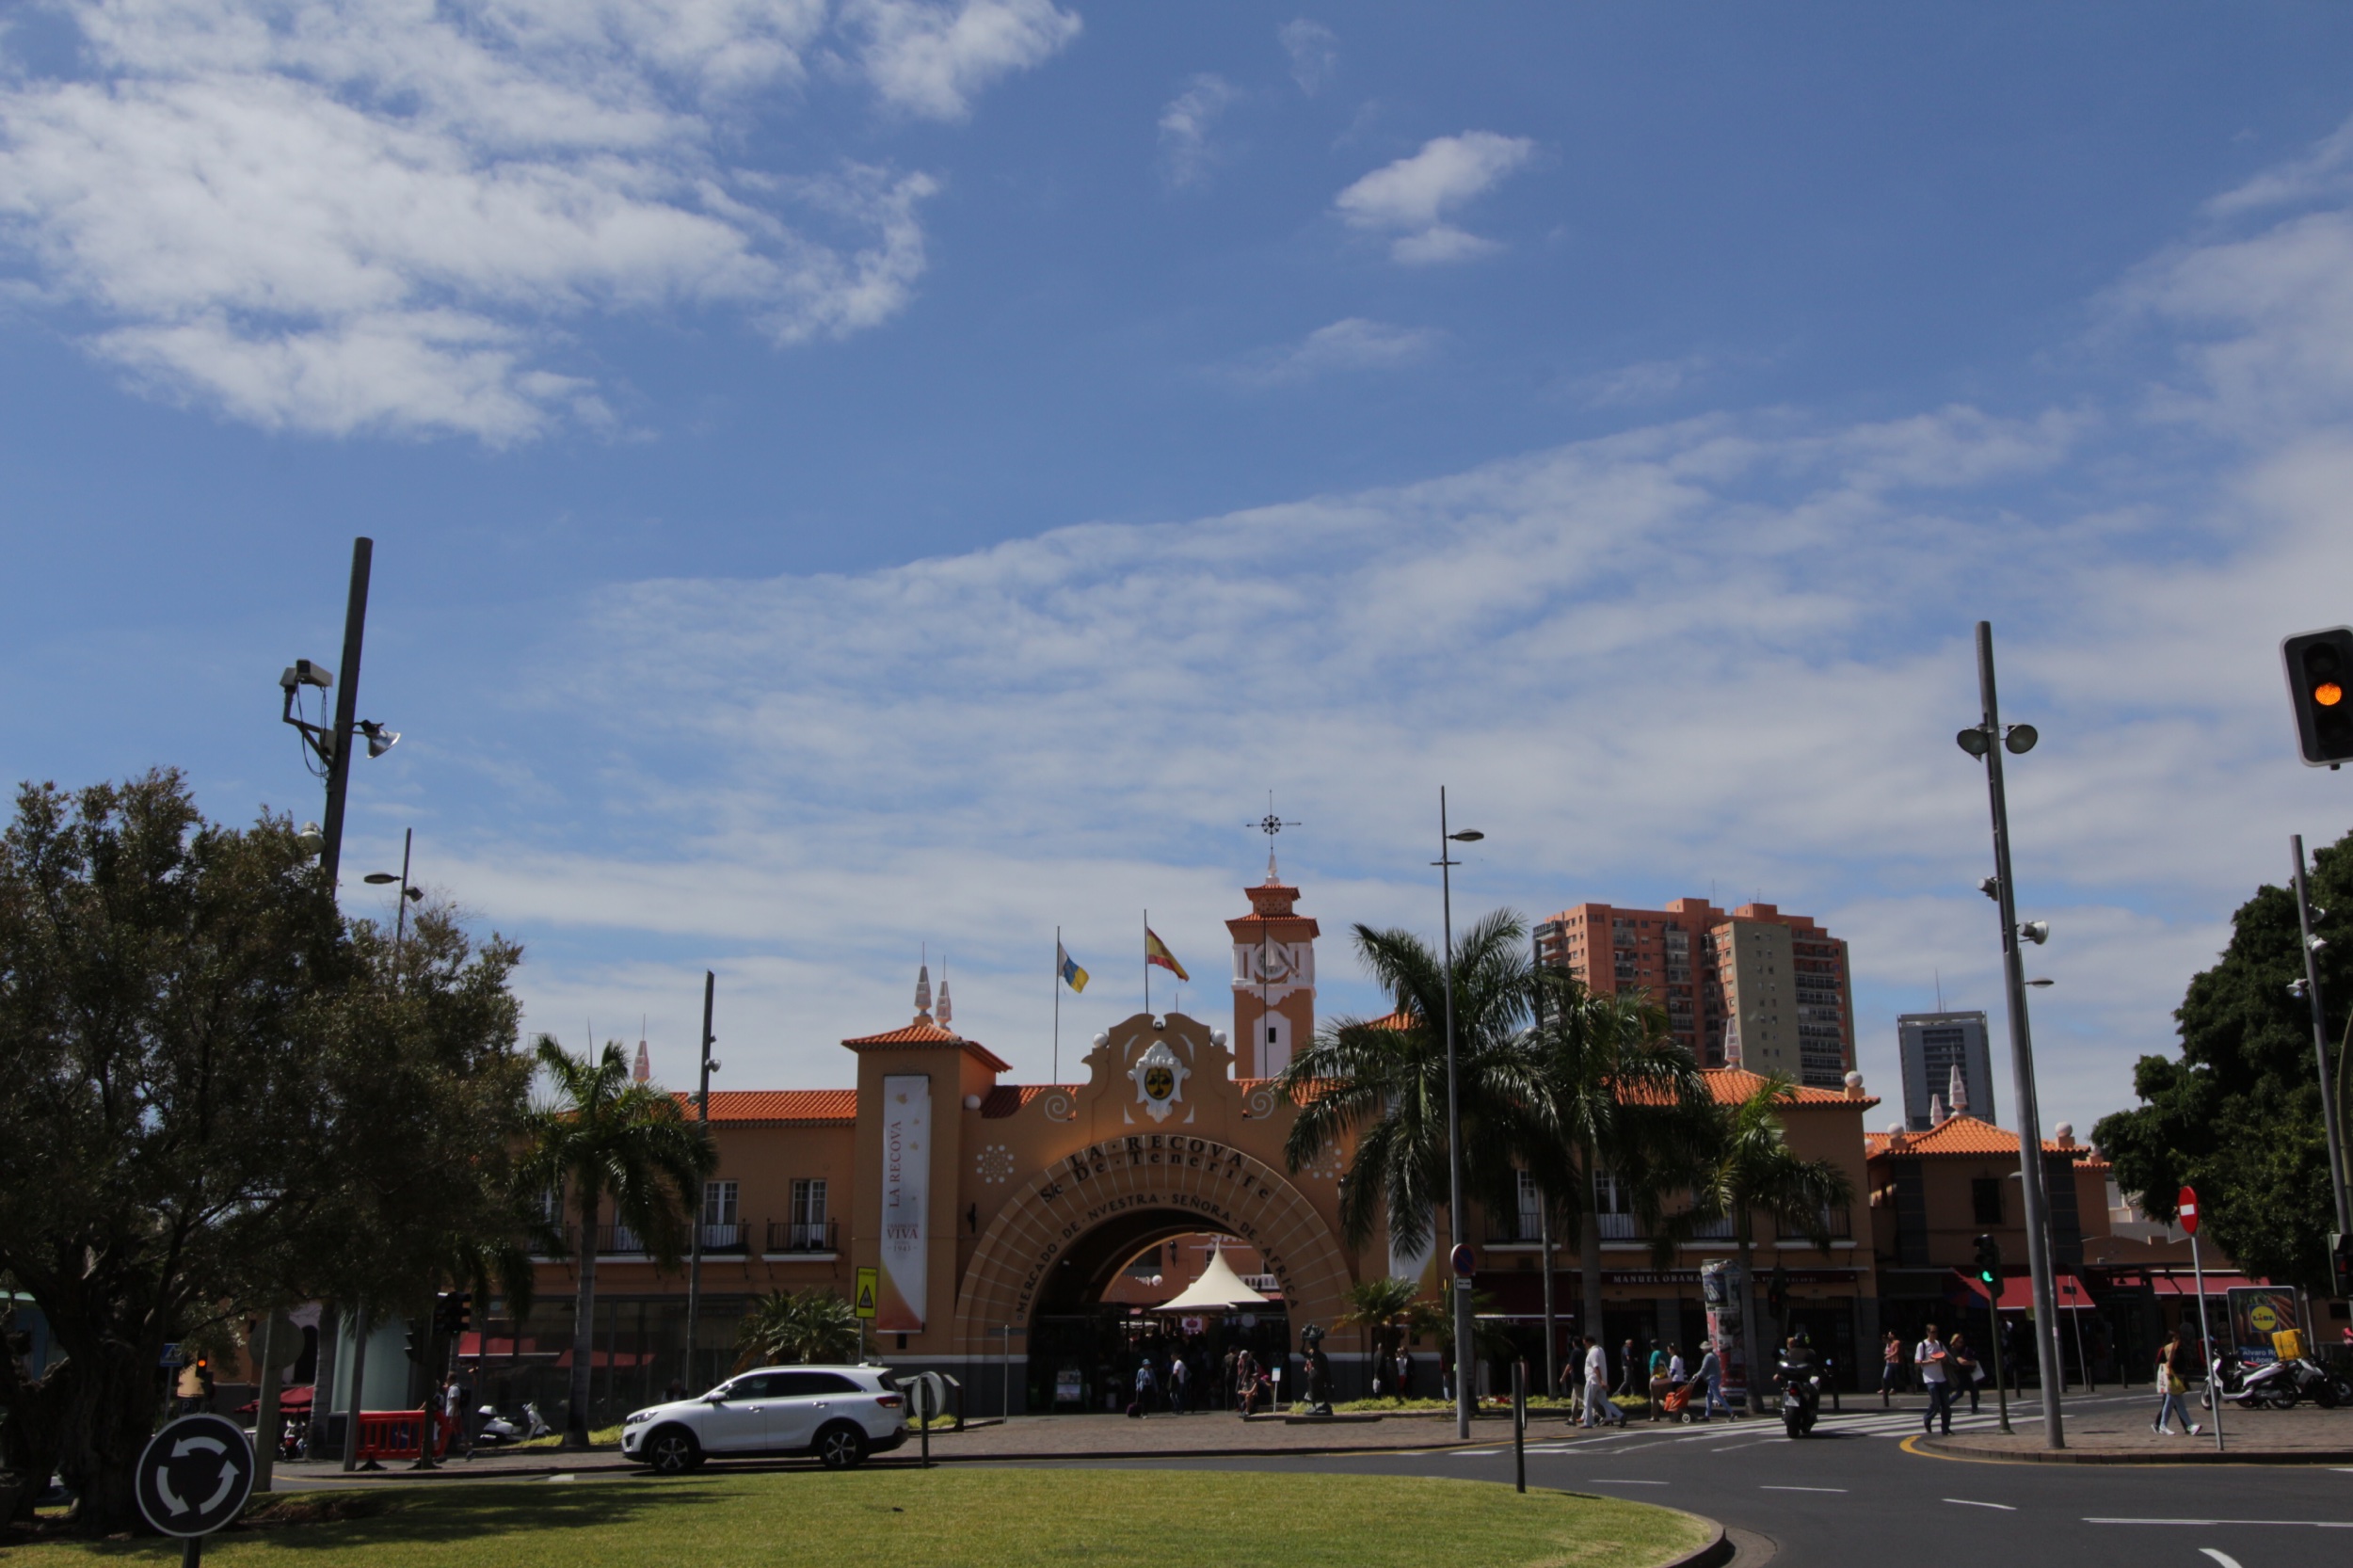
pixel 965 1517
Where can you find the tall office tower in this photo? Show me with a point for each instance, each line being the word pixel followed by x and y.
pixel 1752 988
pixel 1932 1045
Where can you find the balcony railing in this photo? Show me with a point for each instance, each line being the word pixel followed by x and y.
pixel 726 1238
pixel 1618 1227
pixel 802 1235
pixel 1839 1222
pixel 618 1240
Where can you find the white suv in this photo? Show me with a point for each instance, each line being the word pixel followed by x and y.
pixel 839 1414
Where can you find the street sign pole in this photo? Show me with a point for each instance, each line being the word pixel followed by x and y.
pixel 2340 1191
pixel 2186 1206
pixel 193 1476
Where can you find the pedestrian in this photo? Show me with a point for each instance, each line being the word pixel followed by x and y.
pixel 1404 1373
pixel 1968 1369
pixel 1144 1384
pixel 1657 1384
pixel 1598 1406
pixel 1630 1363
pixel 2173 1386
pixel 1936 1377
pixel 1891 1368
pixel 1178 1375
pixel 1712 1374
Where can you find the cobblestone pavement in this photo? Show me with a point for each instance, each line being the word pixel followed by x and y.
pixel 2117 1432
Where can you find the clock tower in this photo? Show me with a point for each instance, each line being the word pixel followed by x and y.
pixel 1274 978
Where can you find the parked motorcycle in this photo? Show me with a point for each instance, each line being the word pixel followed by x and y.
pixel 2274 1386
pixel 1801 1394
pixel 498 1431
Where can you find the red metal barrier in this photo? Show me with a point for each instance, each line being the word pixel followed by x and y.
pixel 392 1434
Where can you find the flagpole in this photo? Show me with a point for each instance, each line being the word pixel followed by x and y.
pixel 1148 963
pixel 1057 1077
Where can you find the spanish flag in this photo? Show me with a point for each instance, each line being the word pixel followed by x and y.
pixel 1156 951
pixel 1072 976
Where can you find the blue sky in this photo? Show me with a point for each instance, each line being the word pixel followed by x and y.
pixel 849 476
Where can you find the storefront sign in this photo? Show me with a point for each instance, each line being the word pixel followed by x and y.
pixel 1070 1387
pixel 907 1156
pixel 2257 1313
pixel 1721 1289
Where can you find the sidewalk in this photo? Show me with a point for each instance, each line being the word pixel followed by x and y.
pixel 1208 1434
pixel 2118 1433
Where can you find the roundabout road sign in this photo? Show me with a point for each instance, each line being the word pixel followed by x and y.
pixel 195 1475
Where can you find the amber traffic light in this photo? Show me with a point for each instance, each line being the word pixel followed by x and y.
pixel 2319 663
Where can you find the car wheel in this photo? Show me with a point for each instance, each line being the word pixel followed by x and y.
pixel 842 1447
pixel 672 1451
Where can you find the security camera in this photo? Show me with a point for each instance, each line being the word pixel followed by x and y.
pixel 310 837
pixel 302 672
pixel 1991 887
pixel 2036 932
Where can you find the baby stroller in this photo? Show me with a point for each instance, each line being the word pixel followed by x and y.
pixel 1677 1402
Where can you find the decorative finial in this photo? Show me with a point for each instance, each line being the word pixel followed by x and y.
pixel 1271 824
pixel 1956 1092
pixel 643 1072
pixel 945 1014
pixel 1936 1110
pixel 923 994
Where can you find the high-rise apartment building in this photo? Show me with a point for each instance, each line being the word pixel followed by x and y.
pixel 1932 1045
pixel 1751 988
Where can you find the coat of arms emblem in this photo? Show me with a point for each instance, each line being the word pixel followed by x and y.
pixel 1160 1079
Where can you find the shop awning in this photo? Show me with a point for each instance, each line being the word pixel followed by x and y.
pixel 291 1400
pixel 2186 1285
pixel 2018 1292
pixel 1218 1289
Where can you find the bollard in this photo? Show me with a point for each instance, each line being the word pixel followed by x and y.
pixel 1519 1422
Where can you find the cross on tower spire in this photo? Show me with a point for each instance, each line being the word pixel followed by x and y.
pixel 1271 824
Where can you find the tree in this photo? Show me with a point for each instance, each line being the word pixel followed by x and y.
pixel 788 1326
pixel 2239 1114
pixel 1384 1083
pixel 607 1136
pixel 1753 1170
pixel 212 1102
pixel 1388 1311
pixel 1616 1097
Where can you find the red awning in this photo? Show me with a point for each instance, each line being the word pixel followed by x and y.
pixel 2018 1292
pixel 2186 1285
pixel 294 1399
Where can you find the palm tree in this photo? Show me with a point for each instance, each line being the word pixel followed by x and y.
pixel 1388 1310
pixel 812 1325
pixel 1384 1082
pixel 1753 1170
pixel 1618 1096
pixel 606 1135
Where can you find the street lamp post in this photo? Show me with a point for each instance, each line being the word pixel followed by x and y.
pixel 329 742
pixel 408 893
pixel 1986 742
pixel 1446 864
pixel 2339 1192
pixel 702 1116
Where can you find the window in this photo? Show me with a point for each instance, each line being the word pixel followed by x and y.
pixel 808 1212
pixel 802 1386
pixel 719 1203
pixel 1985 1194
pixel 1531 1205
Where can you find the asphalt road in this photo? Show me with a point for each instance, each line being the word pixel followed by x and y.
pixel 1849 1497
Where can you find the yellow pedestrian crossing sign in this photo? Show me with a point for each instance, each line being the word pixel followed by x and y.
pixel 866 1283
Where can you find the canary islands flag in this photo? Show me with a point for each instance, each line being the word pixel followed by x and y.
pixel 1156 951
pixel 1072 976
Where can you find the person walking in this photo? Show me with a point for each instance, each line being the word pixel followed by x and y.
pixel 1934 1365
pixel 1225 1391
pixel 1657 1385
pixel 1144 1385
pixel 1967 1368
pixel 1404 1373
pixel 1712 1374
pixel 1629 1361
pixel 2173 1386
pixel 1891 1368
pixel 1598 1410
pixel 1178 1375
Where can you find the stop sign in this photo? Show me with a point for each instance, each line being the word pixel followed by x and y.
pixel 2185 1209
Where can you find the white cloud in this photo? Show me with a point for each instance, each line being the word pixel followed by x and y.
pixel 2326 171
pixel 1186 155
pixel 1646 381
pixel 1315 53
pixel 382 214
pixel 1411 198
pixel 1352 343
pixel 931 57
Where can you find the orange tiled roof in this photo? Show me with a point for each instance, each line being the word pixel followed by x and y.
pixel 1731 1085
pixel 1400 1019
pixel 1966 1136
pixel 923 1031
pixel 1006 1098
pixel 804 1105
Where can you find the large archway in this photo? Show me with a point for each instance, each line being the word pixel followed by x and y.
pixel 1051 1251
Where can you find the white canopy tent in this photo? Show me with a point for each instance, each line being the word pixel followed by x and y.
pixel 1218 1289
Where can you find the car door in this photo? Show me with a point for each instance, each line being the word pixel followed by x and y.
pixel 806 1402
pixel 737 1422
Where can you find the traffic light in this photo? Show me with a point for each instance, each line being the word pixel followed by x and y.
pixel 454 1312
pixel 416 1342
pixel 1990 1266
pixel 2320 684
pixel 2341 1264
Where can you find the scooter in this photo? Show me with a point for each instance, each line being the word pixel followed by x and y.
pixel 1800 1395
pixel 2275 1384
pixel 498 1431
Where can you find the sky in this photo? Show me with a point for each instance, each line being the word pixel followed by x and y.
pixel 861 481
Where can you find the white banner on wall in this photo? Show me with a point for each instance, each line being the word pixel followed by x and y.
pixel 906 1155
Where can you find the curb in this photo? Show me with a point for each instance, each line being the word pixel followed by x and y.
pixel 1715 1554
pixel 1938 1448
